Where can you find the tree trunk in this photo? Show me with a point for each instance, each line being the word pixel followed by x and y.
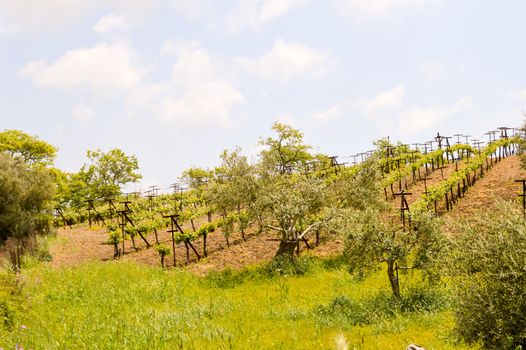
pixel 162 261
pixel 243 235
pixel 286 248
pixel 116 252
pixel 187 252
pixel 156 236
pixel 205 253
pixel 393 278
pixel 133 243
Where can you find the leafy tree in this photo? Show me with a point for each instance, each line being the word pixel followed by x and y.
pixel 107 172
pixel 26 193
pixel 196 177
pixel 72 189
pixel 292 206
pixel 284 152
pixel 234 187
pixel 373 240
pixel 488 263
pixel 29 148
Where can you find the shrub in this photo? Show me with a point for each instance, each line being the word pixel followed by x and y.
pixel 283 265
pixel 6 316
pixel 163 252
pixel 489 261
pixel 347 312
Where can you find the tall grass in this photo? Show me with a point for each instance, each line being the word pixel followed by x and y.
pixel 121 305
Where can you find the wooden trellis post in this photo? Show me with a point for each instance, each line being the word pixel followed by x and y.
pixel 413 160
pixel 126 219
pixel 60 213
pixel 404 207
pixel 477 144
pixel 97 217
pixel 175 227
pixel 122 225
pixel 335 164
pixel 112 209
pixel 504 135
pixel 151 194
pixel 172 231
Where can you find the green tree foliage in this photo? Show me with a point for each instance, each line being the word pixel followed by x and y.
pixel 196 177
pixel 234 185
pixel 292 206
pixel 25 197
pixel 489 264
pixel 29 148
pixel 106 173
pixel 285 151
pixel 374 240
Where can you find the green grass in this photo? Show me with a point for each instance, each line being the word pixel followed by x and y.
pixel 119 305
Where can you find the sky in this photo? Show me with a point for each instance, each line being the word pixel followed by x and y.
pixel 175 82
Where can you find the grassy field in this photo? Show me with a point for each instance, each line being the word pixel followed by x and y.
pixel 120 305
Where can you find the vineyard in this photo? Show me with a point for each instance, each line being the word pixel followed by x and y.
pixel 200 217
pixel 270 245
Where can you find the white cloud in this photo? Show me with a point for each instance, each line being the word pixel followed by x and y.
pixel 362 10
pixel 331 113
pixel 432 70
pixel 413 120
pixel 518 94
pixel 83 113
pixel 383 102
pixel 202 104
pixel 192 9
pixel 199 92
pixel 111 23
pixel 41 14
pixel 287 60
pixel 102 68
pixel 389 111
pixel 56 14
pixel 242 14
pixel 255 13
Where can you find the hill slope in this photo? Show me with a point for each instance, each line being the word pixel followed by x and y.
pixel 80 245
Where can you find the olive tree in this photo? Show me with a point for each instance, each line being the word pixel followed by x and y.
pixel 26 193
pixel 374 240
pixel 488 265
pixel 374 234
pixel 292 206
pixel 285 151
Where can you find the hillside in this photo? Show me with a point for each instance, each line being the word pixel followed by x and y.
pixel 81 245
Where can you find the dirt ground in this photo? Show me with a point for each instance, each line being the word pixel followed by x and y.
pixel 497 184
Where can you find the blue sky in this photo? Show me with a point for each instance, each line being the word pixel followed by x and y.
pixel 177 81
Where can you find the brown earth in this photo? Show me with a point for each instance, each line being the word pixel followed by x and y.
pixel 497 184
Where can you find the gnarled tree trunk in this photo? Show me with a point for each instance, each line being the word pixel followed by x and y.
pixel 393 278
